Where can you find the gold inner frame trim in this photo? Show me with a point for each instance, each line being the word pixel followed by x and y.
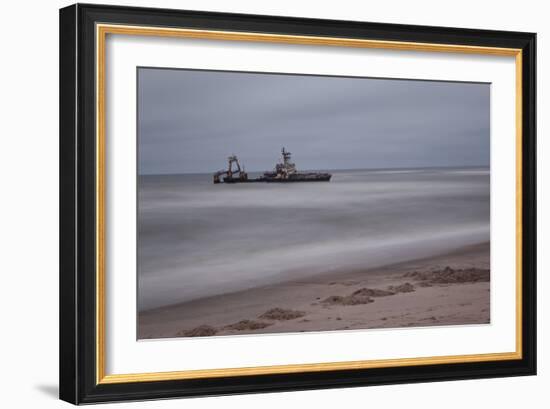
pixel 101 33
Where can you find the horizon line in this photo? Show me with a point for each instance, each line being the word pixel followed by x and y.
pixel 328 169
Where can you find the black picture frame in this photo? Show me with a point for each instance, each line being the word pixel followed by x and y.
pixel 78 313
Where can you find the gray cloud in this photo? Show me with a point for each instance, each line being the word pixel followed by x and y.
pixel 190 121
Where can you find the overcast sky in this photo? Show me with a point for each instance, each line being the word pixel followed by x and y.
pixel 190 121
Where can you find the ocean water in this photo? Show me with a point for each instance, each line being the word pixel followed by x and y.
pixel 197 239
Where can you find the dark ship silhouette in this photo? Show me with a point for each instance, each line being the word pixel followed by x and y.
pixel 284 172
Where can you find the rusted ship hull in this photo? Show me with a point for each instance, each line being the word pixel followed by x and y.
pixel 313 177
pixel 237 180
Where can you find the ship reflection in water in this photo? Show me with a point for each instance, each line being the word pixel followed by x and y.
pixel 284 172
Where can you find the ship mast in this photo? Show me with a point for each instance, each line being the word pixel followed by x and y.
pixel 287 167
pixel 286 156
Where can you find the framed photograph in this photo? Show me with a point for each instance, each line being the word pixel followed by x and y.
pixel 257 203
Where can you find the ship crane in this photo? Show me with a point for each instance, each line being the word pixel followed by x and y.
pixel 233 168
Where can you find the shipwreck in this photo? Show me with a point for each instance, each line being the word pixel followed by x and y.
pixel 285 172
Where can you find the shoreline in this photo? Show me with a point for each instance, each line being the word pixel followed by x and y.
pixel 448 289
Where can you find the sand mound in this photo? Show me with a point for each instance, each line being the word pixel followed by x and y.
pixel 248 325
pixel 281 314
pixel 451 276
pixel 347 300
pixel 402 288
pixel 372 292
pixel 200 331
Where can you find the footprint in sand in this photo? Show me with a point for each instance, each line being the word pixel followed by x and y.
pixel 200 331
pixel 281 314
pixel 248 325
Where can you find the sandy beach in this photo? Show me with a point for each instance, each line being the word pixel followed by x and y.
pixel 449 289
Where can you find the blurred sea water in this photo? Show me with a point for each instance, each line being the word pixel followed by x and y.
pixel 197 239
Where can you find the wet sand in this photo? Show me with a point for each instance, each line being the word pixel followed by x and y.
pixel 449 289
